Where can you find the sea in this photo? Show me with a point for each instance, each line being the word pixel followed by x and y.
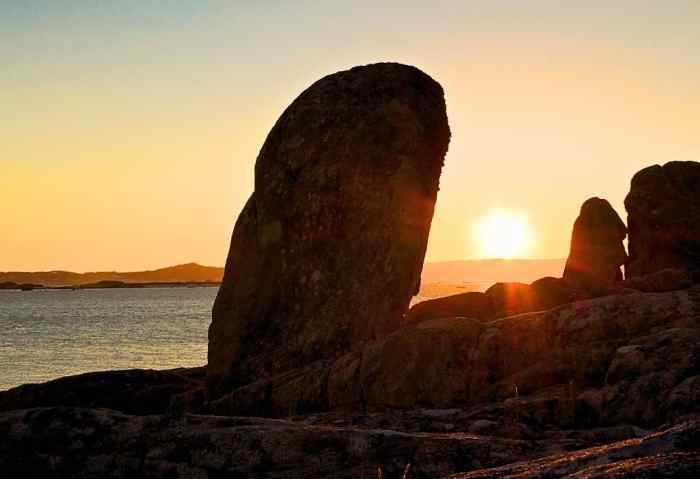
pixel 47 334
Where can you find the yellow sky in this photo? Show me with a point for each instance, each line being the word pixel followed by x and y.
pixel 128 136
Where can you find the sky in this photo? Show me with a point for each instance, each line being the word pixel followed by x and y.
pixel 129 129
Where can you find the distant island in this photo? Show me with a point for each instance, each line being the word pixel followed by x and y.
pixel 438 276
pixel 189 274
pixel 108 285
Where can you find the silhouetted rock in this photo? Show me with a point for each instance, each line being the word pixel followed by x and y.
pixel 592 270
pixel 329 248
pixel 550 292
pixel 510 298
pixel 133 391
pixel 597 251
pixel 545 293
pixel 663 208
pixel 453 362
pixel 473 304
pixel 500 300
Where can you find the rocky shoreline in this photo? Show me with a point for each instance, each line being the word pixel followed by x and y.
pixel 317 368
pixel 632 407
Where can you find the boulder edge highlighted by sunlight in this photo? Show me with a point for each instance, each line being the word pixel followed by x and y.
pixel 329 249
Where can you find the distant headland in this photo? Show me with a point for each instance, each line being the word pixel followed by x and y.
pixel 180 275
pixel 449 273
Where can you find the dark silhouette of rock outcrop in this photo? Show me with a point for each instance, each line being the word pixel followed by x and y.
pixel 329 248
pixel 592 270
pixel 620 359
pixel 498 301
pixel 132 391
pixel 535 385
pixel 663 217
pixel 597 251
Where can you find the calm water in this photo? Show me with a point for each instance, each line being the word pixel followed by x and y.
pixel 54 333
pixel 48 334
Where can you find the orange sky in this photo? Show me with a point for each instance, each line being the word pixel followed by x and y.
pixel 129 134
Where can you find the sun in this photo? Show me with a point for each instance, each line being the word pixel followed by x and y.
pixel 503 234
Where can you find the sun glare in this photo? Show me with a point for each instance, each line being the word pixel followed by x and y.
pixel 503 234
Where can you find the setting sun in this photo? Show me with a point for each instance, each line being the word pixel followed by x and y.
pixel 503 234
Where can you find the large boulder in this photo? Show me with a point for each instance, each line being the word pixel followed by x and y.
pixel 597 251
pixel 473 304
pixel 542 294
pixel 328 250
pixel 663 208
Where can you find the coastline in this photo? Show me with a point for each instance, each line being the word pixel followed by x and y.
pixel 109 285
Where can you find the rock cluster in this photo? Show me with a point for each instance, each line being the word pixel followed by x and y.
pixel 329 249
pixel 663 217
pixel 621 359
pixel 309 325
pixel 592 270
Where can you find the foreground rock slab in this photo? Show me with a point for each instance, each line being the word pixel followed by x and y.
pixel 674 452
pixel 100 443
pixel 329 248
pixel 132 391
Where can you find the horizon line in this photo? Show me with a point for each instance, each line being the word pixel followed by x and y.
pixel 194 263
